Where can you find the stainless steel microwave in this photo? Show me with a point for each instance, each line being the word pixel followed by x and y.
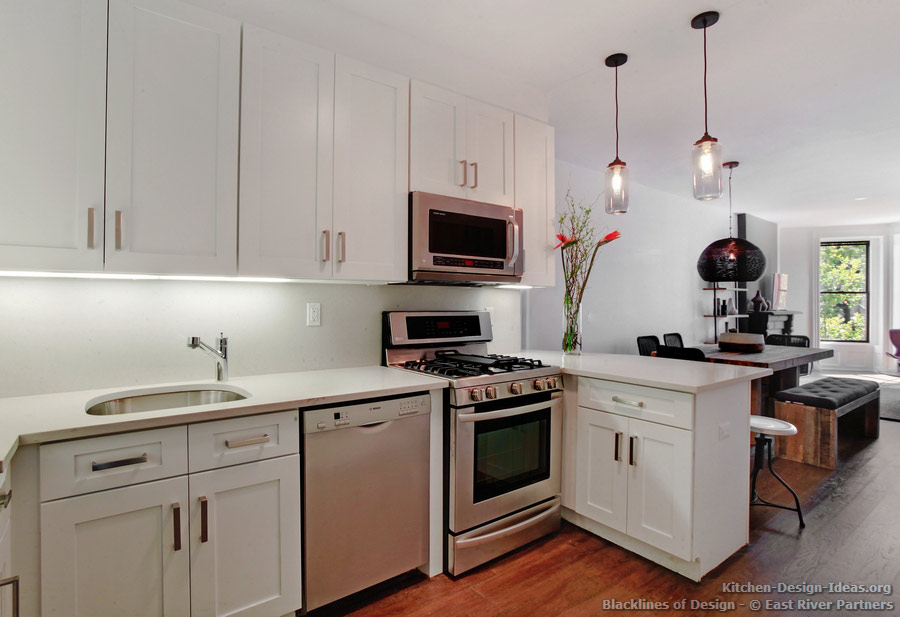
pixel 463 241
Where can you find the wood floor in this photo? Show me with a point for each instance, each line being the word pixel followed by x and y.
pixel 852 535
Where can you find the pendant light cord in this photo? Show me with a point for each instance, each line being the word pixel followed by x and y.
pixel 617 112
pixel 730 171
pixel 705 103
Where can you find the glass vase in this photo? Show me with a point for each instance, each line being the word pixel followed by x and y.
pixel 571 342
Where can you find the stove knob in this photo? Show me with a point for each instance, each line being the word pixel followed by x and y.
pixel 552 383
pixel 491 392
pixel 540 384
pixel 515 388
pixel 475 394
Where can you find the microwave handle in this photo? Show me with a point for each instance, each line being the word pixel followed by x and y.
pixel 515 250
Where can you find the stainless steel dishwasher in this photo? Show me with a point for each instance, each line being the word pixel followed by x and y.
pixel 365 495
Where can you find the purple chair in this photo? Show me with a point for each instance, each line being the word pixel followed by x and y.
pixel 895 339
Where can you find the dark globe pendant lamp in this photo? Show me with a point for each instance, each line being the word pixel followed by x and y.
pixel 731 259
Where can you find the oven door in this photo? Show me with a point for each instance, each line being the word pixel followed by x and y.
pixel 462 240
pixel 503 460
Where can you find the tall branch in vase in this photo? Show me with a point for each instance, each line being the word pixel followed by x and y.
pixel 578 246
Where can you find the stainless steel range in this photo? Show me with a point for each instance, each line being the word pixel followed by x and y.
pixel 503 432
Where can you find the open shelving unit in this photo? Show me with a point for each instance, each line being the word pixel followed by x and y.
pixel 722 292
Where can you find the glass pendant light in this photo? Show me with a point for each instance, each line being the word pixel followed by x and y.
pixel 706 158
pixel 615 187
pixel 731 259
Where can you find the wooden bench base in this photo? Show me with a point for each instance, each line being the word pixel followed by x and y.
pixel 817 429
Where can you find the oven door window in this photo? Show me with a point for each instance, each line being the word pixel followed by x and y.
pixel 466 235
pixel 511 453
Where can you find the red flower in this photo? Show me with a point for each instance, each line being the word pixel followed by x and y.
pixel 563 241
pixel 611 236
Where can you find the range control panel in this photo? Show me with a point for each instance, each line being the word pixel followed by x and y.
pixel 362 414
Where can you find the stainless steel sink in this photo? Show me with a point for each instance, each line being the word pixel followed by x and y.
pixel 157 399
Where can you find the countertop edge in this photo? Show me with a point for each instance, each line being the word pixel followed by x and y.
pixel 666 385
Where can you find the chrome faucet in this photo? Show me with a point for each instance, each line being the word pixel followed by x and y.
pixel 220 354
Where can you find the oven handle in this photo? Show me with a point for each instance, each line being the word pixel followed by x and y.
pixel 505 413
pixel 495 535
pixel 515 250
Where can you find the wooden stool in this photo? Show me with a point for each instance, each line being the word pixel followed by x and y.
pixel 765 428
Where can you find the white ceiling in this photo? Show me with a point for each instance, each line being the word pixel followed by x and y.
pixel 804 93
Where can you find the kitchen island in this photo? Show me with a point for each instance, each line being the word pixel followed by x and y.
pixel 656 455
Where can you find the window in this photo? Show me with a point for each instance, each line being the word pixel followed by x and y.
pixel 844 291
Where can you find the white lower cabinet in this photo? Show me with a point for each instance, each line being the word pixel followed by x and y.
pixel 6 566
pixel 642 487
pixel 117 552
pixel 245 539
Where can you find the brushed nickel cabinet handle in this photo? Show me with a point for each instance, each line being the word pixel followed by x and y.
pixel 176 517
pixel 249 441
pixel 124 462
pixel 475 184
pixel 326 233
pixel 120 228
pixel 617 456
pixel 14 581
pixel 465 165
pixel 342 238
pixel 90 223
pixel 625 401
pixel 204 520
pixel 632 460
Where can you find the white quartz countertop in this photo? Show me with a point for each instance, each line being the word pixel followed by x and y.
pixel 679 375
pixel 53 417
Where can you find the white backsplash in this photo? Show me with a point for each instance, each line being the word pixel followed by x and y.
pixel 58 335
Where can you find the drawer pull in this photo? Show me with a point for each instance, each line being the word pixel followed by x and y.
pixel 250 441
pixel 5 499
pixel 204 520
pixel 124 462
pixel 176 517
pixel 617 456
pixel 14 581
pixel 625 401
pixel 631 459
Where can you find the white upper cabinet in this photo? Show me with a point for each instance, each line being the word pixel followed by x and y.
pixel 53 71
pixel 371 173
pixel 460 147
pixel 172 140
pixel 535 194
pixel 287 104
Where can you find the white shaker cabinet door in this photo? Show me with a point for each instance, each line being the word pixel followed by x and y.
pixel 437 141
pixel 371 173
pixel 117 552
pixel 287 106
pixel 489 148
pixel 245 539
pixel 53 71
pixel 535 187
pixel 601 483
pixel 660 484
pixel 172 141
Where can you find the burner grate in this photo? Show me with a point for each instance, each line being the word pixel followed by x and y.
pixel 451 363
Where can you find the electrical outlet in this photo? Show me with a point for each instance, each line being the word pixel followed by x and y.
pixel 724 430
pixel 313 314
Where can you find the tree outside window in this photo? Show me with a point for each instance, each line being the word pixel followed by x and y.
pixel 844 291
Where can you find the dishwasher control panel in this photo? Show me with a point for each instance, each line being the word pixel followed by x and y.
pixel 362 414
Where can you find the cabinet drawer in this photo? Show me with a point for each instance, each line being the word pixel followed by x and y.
pixel 242 440
pixel 652 404
pixel 87 465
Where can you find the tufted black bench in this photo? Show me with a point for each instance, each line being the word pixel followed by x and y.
pixel 814 409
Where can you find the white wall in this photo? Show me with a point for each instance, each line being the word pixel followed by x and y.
pixel 644 283
pixel 72 334
pixel 799 254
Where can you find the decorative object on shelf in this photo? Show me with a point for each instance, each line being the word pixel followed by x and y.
pixel 731 308
pixel 765 304
pixel 757 302
pixel 706 157
pixel 723 308
pixel 731 259
pixel 578 249
pixel 615 187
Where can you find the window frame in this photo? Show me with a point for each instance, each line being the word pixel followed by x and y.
pixel 867 293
